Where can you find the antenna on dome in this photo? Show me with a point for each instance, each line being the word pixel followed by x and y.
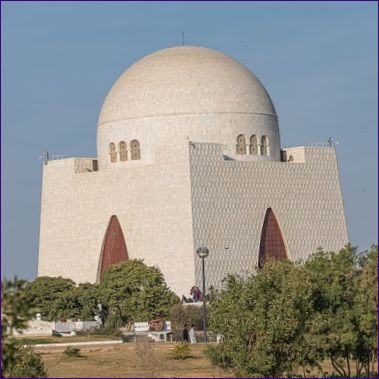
pixel 183 39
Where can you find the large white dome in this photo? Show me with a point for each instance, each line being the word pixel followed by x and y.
pixel 185 80
pixel 186 92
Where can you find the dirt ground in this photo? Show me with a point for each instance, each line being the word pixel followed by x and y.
pixel 130 361
pixel 142 360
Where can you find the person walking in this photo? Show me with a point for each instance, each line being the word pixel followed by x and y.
pixel 185 334
pixel 192 335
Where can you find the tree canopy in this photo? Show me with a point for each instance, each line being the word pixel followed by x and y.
pixel 59 298
pixel 134 291
pixel 128 291
pixel 293 315
pixel 15 305
pixel 16 360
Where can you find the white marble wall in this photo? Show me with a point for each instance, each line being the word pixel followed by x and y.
pixel 157 132
pixel 229 201
pixel 152 203
pixel 188 198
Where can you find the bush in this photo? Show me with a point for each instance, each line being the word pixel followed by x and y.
pixel 180 351
pixel 148 358
pixel 218 356
pixel 189 314
pixel 72 352
pixel 28 365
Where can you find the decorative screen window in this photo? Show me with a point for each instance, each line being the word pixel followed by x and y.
pixel 253 145
pixel 241 145
pixel 135 150
pixel 112 152
pixel 264 146
pixel 123 152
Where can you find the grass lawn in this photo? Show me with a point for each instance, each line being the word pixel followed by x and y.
pixel 130 361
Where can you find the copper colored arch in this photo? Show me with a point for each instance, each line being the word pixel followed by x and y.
pixel 114 248
pixel 272 244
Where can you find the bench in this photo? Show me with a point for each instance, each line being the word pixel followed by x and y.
pixel 142 328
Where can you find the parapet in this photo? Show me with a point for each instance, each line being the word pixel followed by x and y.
pixel 298 154
pixel 303 154
pixel 82 165
pixel 76 165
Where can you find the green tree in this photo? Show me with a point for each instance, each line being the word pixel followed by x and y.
pixel 366 307
pixel 89 297
pixel 290 315
pixel 133 291
pixel 78 303
pixel 15 305
pixel 17 361
pixel 28 364
pixel 188 314
pixel 331 333
pixel 263 319
pixel 45 294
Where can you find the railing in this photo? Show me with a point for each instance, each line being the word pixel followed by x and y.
pixel 320 144
pixel 57 157
pixel 331 142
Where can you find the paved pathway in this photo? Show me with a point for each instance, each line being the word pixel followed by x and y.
pixel 65 344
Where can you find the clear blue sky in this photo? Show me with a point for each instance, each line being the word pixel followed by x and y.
pixel 318 61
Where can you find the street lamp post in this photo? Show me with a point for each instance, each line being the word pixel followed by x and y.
pixel 202 253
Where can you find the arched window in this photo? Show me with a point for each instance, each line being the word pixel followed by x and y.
pixel 135 150
pixel 123 151
pixel 112 152
pixel 241 145
pixel 253 145
pixel 264 146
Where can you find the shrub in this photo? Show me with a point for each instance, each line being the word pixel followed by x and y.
pixel 189 314
pixel 149 360
pixel 72 352
pixel 180 351
pixel 218 356
pixel 28 365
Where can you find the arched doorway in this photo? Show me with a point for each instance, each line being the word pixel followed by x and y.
pixel 272 245
pixel 114 248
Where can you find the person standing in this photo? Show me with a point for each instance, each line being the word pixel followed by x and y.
pixel 185 334
pixel 192 335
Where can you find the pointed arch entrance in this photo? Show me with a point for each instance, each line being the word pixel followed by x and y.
pixel 114 248
pixel 272 245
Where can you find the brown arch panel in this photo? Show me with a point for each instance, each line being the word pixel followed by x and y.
pixel 114 248
pixel 272 244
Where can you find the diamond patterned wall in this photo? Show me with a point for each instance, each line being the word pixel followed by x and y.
pixel 230 199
